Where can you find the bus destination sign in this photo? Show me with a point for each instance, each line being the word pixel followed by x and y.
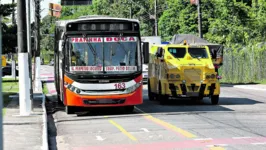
pixel 103 26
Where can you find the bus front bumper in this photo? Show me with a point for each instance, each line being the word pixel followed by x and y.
pixel 74 99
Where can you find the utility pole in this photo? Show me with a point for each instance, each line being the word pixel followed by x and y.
pixel 37 50
pixel 1 94
pixel 29 51
pixel 130 10
pixel 199 19
pixel 155 17
pixel 24 92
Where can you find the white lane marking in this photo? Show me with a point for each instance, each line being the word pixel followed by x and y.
pixel 99 138
pixel 259 143
pixel 241 137
pixel 203 139
pixel 145 130
pixel 139 110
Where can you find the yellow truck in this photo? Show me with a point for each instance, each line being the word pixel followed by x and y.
pixel 182 70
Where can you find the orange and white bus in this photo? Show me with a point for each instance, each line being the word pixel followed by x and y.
pixel 98 63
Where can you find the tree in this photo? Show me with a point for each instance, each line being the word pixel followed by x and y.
pixel 9 32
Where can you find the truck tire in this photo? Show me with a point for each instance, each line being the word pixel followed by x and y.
pixel 163 99
pixel 70 109
pixel 215 99
pixel 150 94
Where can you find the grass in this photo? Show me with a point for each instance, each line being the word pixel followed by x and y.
pixel 45 90
pixel 10 86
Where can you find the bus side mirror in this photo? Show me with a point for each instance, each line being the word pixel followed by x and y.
pixel 60 48
pixel 145 50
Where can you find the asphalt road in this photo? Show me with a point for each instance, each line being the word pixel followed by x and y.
pixel 237 123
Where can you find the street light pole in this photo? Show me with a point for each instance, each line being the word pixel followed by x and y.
pixel 29 51
pixel 199 19
pixel 1 94
pixel 155 17
pixel 23 59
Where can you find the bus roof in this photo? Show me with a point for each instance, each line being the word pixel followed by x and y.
pixel 92 17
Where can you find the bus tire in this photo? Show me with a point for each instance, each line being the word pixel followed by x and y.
pixel 70 109
pixel 129 109
pixel 59 102
pixel 150 94
pixel 215 99
pixel 163 99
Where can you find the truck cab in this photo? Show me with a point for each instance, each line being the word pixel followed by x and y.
pixel 182 70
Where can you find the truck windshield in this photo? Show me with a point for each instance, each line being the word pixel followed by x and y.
pixel 108 55
pixel 177 52
pixel 198 52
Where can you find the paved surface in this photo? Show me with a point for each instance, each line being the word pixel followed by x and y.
pixel 239 122
pixel 23 132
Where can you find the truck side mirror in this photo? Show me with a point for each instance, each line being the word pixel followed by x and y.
pixel 159 52
pixel 145 50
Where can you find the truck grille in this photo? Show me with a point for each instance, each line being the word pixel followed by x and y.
pixel 192 75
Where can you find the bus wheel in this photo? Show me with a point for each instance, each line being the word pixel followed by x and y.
pixel 150 94
pixel 59 102
pixel 129 109
pixel 215 99
pixel 163 99
pixel 70 110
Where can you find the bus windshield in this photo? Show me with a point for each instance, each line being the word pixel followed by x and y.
pixel 108 55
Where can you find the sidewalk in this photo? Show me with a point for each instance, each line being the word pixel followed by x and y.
pixel 258 87
pixel 25 132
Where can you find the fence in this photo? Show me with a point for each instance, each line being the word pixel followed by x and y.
pixel 244 65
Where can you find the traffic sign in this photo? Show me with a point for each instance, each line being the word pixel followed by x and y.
pixel 55 10
pixel 76 2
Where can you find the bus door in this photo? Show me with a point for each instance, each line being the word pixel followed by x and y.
pixel 61 68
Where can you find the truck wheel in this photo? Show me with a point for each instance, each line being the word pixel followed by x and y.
pixel 163 99
pixel 150 94
pixel 129 109
pixel 215 99
pixel 70 109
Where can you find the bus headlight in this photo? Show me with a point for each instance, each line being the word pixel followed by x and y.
pixel 134 87
pixel 73 88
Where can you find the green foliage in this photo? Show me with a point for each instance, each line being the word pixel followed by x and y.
pixel 9 32
pixel 7 9
pixel 238 26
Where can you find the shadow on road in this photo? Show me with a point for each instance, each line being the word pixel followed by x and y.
pixel 173 105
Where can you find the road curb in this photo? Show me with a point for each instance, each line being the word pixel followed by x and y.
pixel 45 130
pixel 248 88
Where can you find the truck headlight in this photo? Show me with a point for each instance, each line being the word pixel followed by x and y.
pixel 134 87
pixel 177 76
pixel 213 76
pixel 208 76
pixel 172 76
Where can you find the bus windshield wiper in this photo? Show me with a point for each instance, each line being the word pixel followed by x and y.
pixel 93 52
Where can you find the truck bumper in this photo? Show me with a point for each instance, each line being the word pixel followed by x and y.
pixel 192 90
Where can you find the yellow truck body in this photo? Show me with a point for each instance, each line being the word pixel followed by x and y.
pixel 181 70
pixel 3 61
